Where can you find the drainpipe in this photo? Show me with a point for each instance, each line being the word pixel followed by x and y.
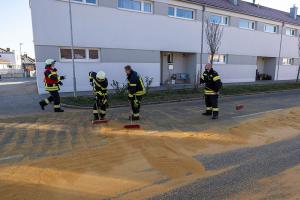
pixel 202 39
pixel 72 49
pixel 279 55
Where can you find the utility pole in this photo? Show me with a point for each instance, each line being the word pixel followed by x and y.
pixel 298 75
pixel 279 56
pixel 21 54
pixel 202 40
pixel 72 49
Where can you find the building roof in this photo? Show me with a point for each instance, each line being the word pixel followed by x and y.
pixel 251 9
pixel 27 60
pixel 7 51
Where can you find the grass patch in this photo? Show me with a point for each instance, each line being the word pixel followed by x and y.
pixel 172 94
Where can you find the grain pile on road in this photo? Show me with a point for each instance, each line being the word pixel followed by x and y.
pixel 72 160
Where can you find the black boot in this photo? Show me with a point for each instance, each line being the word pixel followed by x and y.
pixel 134 118
pixel 42 104
pixel 96 117
pixel 102 117
pixel 58 110
pixel 215 115
pixel 207 113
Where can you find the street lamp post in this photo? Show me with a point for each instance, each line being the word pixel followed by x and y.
pixel 21 54
pixel 72 49
pixel 21 57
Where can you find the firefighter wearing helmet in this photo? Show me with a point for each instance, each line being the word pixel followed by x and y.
pixel 99 83
pixel 52 83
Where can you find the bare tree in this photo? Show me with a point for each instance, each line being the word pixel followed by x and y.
pixel 214 34
pixel 299 56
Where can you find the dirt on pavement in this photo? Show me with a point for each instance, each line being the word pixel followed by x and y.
pixel 110 162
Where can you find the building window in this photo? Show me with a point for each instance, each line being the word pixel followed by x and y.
pixel 218 19
pixel 94 2
pixel 287 61
pixel 93 54
pixel 179 12
pixel 290 32
pixel 136 5
pixel 247 24
pixel 65 54
pixel 218 59
pixel 269 28
pixel 80 54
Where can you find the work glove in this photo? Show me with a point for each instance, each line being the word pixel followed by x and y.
pixel 60 83
pixel 62 77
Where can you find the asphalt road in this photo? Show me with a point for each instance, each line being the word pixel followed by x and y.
pixel 249 165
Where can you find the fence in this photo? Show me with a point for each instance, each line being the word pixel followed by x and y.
pixel 11 73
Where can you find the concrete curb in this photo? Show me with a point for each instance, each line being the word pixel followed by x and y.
pixel 178 100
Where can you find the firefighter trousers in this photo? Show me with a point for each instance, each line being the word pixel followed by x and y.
pixel 211 102
pixel 53 98
pixel 135 103
pixel 100 106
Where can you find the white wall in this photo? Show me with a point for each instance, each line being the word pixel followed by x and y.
pixel 236 73
pixel 287 72
pixel 133 30
pixel 82 70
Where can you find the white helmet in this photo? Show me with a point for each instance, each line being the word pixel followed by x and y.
pixel 49 61
pixel 101 75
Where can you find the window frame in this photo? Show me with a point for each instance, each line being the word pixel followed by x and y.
pixel 223 17
pixel 248 21
pixel 219 63
pixel 142 7
pixel 290 30
pixel 289 63
pixel 84 2
pixel 183 8
pixel 87 55
pixel 276 27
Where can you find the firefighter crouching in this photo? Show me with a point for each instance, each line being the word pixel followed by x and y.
pixel 99 83
pixel 136 91
pixel 52 82
pixel 213 84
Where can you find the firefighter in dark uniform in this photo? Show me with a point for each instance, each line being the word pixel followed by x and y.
pixel 136 91
pixel 52 82
pixel 99 83
pixel 213 84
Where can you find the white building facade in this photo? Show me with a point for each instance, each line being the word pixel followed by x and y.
pixel 162 39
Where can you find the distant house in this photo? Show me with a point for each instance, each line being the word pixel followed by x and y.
pixel 8 66
pixel 28 64
pixel 7 59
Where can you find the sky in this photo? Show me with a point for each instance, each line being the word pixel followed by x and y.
pixel 15 25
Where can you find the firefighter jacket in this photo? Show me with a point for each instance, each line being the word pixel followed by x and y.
pixel 99 86
pixel 212 82
pixel 135 85
pixel 51 80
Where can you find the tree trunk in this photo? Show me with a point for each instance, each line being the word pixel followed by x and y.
pixel 298 74
pixel 212 58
